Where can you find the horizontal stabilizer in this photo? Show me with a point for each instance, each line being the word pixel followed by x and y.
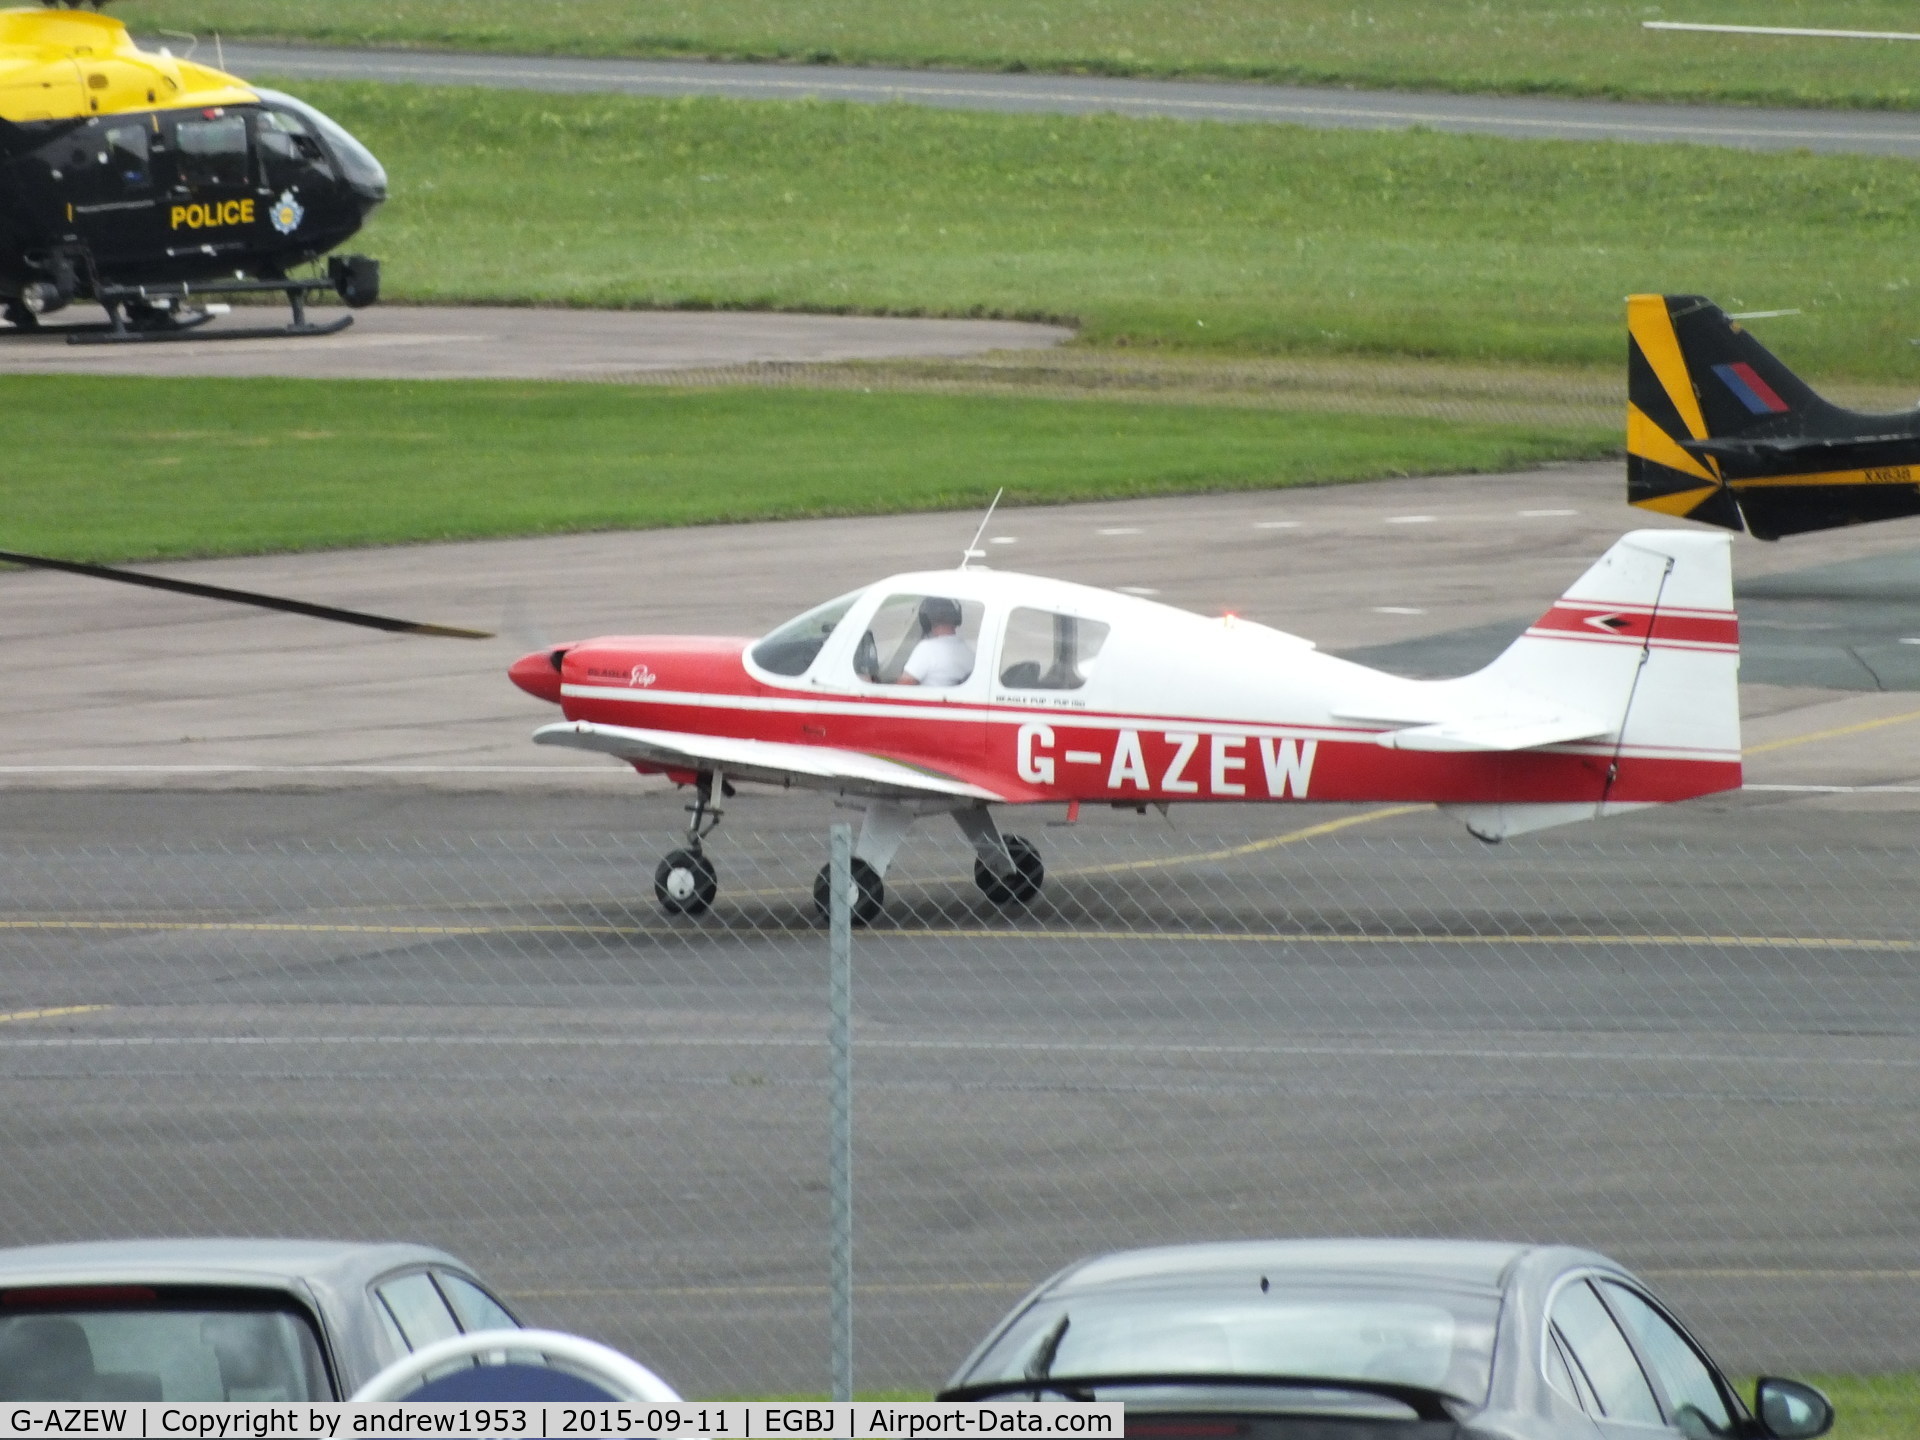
pixel 1496 732
pixel 768 762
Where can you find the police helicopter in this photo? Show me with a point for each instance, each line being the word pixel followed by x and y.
pixel 152 186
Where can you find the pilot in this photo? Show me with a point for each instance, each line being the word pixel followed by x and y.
pixel 942 657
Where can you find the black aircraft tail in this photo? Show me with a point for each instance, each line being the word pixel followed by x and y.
pixel 1719 430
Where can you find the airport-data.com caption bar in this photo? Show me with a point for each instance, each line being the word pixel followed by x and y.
pixel 690 1420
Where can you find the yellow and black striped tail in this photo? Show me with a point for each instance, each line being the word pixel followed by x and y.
pixel 1663 414
pixel 1719 430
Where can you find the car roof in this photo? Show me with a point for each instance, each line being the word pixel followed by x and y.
pixel 1473 1264
pixel 259 1263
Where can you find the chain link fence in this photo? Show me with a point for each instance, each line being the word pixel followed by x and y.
pixel 1695 1054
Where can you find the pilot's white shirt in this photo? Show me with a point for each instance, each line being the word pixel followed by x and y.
pixel 940 660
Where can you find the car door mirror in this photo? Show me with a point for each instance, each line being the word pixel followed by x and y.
pixel 1789 1410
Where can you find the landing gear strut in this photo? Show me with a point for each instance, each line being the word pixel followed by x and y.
pixel 684 882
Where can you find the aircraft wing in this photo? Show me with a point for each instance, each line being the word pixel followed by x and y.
pixel 771 762
pixel 1496 732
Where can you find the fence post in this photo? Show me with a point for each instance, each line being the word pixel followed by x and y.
pixel 840 1144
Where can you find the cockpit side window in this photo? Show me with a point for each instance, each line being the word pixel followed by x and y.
pixel 124 156
pixel 1045 650
pixel 792 648
pixel 289 153
pixel 212 154
pixel 920 640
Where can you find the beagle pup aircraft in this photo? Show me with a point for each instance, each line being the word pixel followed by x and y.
pixel 952 692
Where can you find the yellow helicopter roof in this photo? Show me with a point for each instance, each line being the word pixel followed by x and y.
pixel 69 64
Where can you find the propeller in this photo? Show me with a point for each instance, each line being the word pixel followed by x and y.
pixel 246 597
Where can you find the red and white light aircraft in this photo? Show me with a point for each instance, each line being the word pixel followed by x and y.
pixel 1032 691
pixel 1622 695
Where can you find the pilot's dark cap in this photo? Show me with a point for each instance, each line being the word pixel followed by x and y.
pixel 938 610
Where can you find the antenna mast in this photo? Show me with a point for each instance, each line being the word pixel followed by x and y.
pixel 973 550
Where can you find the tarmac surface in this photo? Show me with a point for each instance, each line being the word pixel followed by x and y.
pixel 1529 117
pixel 297 933
pixel 432 342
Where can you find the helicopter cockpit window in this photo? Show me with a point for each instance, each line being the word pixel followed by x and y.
pixel 123 155
pixel 1044 650
pixel 790 649
pixel 288 150
pixel 212 154
pixel 919 640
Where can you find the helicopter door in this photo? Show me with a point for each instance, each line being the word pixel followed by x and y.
pixel 298 185
pixel 110 182
pixel 213 207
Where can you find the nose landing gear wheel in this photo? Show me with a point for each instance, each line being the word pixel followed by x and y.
pixel 684 883
pixel 1018 888
pixel 869 892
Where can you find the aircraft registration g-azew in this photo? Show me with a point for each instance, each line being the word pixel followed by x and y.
pixel 953 692
pixel 956 691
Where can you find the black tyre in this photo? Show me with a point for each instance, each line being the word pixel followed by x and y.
pixel 20 317
pixel 1018 888
pixel 869 892
pixel 684 883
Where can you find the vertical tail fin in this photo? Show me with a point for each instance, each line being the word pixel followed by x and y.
pixel 1646 643
pixel 1719 430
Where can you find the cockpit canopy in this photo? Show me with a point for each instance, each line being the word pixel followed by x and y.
pixel 295 117
pixel 936 630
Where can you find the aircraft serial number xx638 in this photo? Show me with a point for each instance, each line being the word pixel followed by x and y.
pixel 951 692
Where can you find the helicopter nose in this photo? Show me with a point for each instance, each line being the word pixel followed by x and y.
pixel 539 673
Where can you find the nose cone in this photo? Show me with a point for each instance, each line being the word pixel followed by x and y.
pixel 539 674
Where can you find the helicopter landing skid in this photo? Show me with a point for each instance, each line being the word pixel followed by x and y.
pixel 164 302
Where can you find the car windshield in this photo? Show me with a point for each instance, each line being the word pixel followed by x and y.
pixel 138 1344
pixel 1435 1339
pixel 790 649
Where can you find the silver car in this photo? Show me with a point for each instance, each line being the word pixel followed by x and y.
pixel 136 1320
pixel 1373 1338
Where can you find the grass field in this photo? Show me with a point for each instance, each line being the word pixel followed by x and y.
pixel 1159 233
pixel 1596 48
pixel 106 468
pixel 1871 1407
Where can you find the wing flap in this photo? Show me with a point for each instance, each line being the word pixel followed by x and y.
pixel 769 762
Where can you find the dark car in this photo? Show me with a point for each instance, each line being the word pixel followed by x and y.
pixel 140 1320
pixel 1373 1338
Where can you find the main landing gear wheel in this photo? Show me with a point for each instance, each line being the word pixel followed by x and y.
pixel 19 316
pixel 684 883
pixel 1018 888
pixel 869 892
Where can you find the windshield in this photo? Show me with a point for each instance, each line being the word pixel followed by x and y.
pixel 790 649
pixel 356 162
pixel 152 1346
pixel 1437 1340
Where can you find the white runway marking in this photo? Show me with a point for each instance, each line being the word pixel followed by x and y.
pixel 1546 514
pixel 1277 524
pixel 1411 519
pixel 1136 590
pixel 1003 540
pixel 1398 610
pixel 1840 789
pixel 1118 530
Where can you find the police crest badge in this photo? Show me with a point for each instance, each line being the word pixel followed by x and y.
pixel 287 213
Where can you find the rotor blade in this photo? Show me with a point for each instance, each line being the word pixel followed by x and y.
pixel 246 597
